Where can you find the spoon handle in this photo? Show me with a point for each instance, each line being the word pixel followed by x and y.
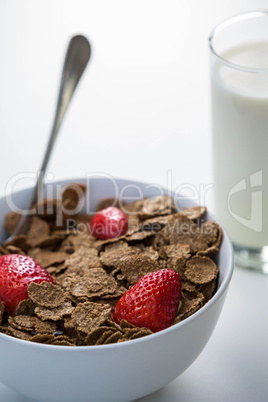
pixel 76 59
pixel 77 56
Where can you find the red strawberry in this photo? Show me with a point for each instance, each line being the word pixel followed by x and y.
pixel 16 273
pixel 152 302
pixel 108 223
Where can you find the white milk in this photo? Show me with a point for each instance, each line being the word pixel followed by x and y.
pixel 240 136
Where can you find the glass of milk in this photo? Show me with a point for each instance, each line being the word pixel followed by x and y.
pixel 239 105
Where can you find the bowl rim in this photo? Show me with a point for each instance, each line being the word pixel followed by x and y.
pixel 218 294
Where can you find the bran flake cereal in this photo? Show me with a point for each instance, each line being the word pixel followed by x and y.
pixel 91 275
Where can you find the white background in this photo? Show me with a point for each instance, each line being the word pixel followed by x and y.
pixel 142 108
pixel 141 111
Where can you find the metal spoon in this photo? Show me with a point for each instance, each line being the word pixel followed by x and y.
pixel 76 59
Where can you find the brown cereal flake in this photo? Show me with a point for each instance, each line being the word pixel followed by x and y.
pixel 22 322
pixel 46 257
pixel 130 331
pixel 56 269
pixel 134 224
pixel 56 313
pixel 209 252
pixel 194 213
pixel 52 240
pixel 135 207
pixel 96 284
pixel 110 323
pixel 184 231
pixel 83 222
pixel 46 294
pixel 46 209
pixel 24 335
pixel 177 255
pixel 189 286
pixel 42 338
pixel 135 266
pixel 160 205
pixel 115 253
pixel 82 239
pixel 94 335
pixel 3 251
pixel 113 338
pixel 135 333
pixel 66 280
pixel 32 324
pixel 60 340
pixel 45 327
pixel 138 236
pixel 74 241
pixel 73 192
pixel 69 323
pixel 25 307
pixel 208 289
pixel 157 223
pixel 19 241
pixel 105 335
pixel 39 230
pixel 67 245
pixel 120 290
pixel 14 250
pixel 100 243
pixel 125 325
pixel 84 257
pixel 4 329
pixel 191 302
pixel 68 204
pixel 200 270
pixel 11 221
pixel 89 315
pixel 213 233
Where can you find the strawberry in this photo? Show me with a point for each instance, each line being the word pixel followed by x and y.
pixel 152 302
pixel 108 223
pixel 16 273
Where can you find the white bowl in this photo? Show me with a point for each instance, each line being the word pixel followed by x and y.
pixel 117 372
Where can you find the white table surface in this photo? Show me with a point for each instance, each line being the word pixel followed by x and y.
pixel 142 111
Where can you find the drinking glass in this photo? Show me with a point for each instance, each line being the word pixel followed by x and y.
pixel 239 110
